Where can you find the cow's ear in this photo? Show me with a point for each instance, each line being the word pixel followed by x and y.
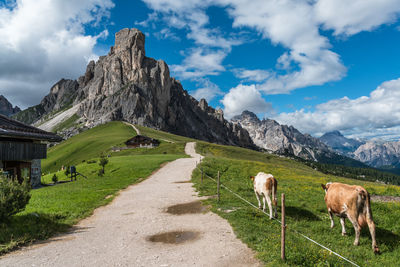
pixel 252 178
pixel 323 186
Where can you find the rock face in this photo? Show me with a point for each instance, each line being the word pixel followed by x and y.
pixel 282 139
pixel 127 85
pixel 6 108
pixel 378 155
pixel 339 143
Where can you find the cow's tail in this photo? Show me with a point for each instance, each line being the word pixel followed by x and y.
pixel 366 218
pixel 364 206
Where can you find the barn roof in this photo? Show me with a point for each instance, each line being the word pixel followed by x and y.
pixel 15 129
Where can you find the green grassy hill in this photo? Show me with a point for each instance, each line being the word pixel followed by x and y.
pixel 305 209
pixel 55 208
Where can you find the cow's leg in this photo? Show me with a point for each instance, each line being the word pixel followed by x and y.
pixel 275 202
pixel 258 199
pixel 371 226
pixel 353 219
pixel 263 196
pixel 267 196
pixel 331 217
pixel 342 222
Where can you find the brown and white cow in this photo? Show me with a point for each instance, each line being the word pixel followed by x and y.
pixel 352 202
pixel 265 185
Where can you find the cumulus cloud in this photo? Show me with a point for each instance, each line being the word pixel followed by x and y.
pixel 42 42
pixel 293 24
pixel 199 63
pixel 211 45
pixel 351 17
pixel 244 97
pixel 251 75
pixel 364 116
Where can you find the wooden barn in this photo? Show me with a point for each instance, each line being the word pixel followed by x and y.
pixel 142 141
pixel 21 149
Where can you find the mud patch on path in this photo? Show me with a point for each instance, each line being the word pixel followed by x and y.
pixel 187 208
pixel 182 182
pixel 385 198
pixel 174 237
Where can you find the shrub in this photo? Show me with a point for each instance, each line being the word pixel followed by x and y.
pixel 67 171
pixel 103 162
pixel 13 196
pixel 54 178
pixel 101 172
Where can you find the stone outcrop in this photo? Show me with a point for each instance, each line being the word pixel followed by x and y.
pixel 127 85
pixel 6 107
pixel 379 154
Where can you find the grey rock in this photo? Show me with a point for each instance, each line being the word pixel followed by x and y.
pixel 126 85
pixel 6 108
pixel 379 154
pixel 281 139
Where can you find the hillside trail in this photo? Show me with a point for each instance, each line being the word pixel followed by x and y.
pixel 135 229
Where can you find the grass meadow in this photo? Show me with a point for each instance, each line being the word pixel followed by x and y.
pixel 305 210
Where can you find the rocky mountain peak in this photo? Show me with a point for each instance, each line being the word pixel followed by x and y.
pixel 126 85
pixel 334 133
pixel 246 115
pixel 127 39
pixel 6 107
pixel 340 143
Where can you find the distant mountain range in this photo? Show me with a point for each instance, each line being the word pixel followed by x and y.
pixel 379 155
pixel 341 144
pixel 6 108
pixel 282 139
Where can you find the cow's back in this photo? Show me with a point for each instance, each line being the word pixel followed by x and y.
pixel 261 182
pixel 340 197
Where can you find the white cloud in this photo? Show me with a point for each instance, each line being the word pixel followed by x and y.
pixel 208 91
pixel 43 41
pixel 244 97
pixel 293 24
pixel 199 63
pixel 212 46
pixel 364 116
pixel 351 17
pixel 251 75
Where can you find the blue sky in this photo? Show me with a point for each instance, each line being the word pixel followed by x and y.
pixel 318 65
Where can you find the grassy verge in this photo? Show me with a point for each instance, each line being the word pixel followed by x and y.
pixel 87 145
pixel 305 208
pixel 56 208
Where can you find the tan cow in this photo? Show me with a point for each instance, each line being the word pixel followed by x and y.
pixel 352 202
pixel 265 185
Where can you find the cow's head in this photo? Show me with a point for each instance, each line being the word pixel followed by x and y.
pixel 326 187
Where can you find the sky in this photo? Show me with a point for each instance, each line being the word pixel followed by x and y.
pixel 319 65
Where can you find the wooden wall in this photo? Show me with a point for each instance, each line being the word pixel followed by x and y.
pixel 22 151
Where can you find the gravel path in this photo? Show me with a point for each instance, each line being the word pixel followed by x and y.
pixel 124 233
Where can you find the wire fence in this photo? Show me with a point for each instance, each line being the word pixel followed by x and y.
pixel 277 220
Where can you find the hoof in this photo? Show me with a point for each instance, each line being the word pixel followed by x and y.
pixel 356 243
pixel 376 250
pixel 344 234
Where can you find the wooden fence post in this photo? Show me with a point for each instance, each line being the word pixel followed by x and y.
pixel 202 175
pixel 218 185
pixel 283 228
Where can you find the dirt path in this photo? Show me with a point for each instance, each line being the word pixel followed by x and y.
pixel 124 233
